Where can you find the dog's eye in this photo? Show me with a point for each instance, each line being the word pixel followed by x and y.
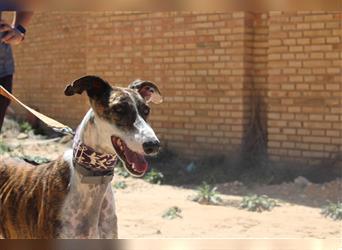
pixel 146 111
pixel 119 109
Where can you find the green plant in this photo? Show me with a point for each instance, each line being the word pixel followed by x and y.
pixel 154 176
pixel 36 160
pixel 333 210
pixel 120 185
pixel 120 170
pixel 172 213
pixel 25 127
pixel 206 194
pixel 4 148
pixel 257 203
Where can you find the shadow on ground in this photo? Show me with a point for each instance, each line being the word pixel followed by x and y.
pixel 315 186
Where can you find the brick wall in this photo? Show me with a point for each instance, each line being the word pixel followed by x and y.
pixel 197 61
pixel 219 72
pixel 53 54
pixel 304 85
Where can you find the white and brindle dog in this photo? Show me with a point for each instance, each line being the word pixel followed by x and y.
pixel 71 197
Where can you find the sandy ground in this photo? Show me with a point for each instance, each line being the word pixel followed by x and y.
pixel 141 205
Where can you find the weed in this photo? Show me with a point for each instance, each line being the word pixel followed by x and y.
pixel 172 213
pixel 333 210
pixel 154 176
pixel 120 170
pixel 4 148
pixel 25 127
pixel 35 160
pixel 207 194
pixel 257 203
pixel 120 185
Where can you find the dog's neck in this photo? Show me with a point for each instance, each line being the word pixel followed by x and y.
pixel 88 133
pixel 90 155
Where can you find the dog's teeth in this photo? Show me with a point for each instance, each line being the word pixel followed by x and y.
pixel 121 147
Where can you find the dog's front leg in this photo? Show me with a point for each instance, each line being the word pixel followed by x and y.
pixel 108 228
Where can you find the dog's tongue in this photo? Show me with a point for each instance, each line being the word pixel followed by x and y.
pixel 138 160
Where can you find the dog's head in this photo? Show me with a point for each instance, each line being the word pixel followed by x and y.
pixel 120 117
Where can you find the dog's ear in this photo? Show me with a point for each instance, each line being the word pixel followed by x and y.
pixel 94 85
pixel 148 90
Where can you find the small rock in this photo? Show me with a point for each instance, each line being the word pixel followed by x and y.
pixel 191 167
pixel 302 181
pixel 158 232
pixel 237 183
pixel 22 136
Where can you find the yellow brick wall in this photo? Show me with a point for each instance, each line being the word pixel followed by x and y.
pixel 210 68
pixel 53 54
pixel 195 58
pixel 304 85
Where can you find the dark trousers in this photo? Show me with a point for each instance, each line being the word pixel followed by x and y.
pixel 6 82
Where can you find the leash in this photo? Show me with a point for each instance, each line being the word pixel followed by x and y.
pixel 55 125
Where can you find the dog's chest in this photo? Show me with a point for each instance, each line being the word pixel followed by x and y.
pixel 83 208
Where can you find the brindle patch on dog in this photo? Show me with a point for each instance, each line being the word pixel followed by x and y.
pixel 31 198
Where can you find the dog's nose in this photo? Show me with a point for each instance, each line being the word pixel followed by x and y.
pixel 151 147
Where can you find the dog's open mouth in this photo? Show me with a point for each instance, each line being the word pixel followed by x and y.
pixel 134 163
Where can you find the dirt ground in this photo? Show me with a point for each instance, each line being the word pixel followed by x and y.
pixel 140 205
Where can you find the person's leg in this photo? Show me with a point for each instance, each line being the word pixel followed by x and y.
pixel 6 82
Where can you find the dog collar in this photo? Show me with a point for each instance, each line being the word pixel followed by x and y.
pixel 94 167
